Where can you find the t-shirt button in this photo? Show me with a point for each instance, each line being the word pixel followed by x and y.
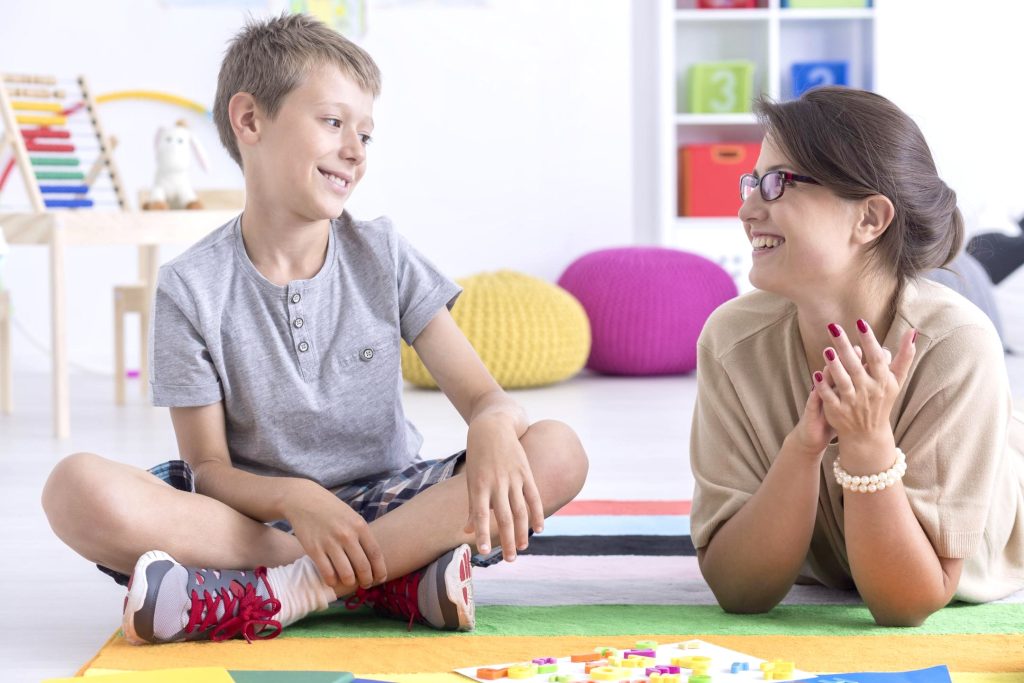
pixel 297 322
pixel 296 298
pixel 367 354
pixel 303 347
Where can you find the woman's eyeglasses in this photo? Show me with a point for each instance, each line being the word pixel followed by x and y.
pixel 772 184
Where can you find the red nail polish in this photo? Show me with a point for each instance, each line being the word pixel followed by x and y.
pixel 914 338
pixel 830 354
pixel 833 329
pixel 862 326
pixel 819 378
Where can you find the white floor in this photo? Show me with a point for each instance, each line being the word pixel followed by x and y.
pixel 57 610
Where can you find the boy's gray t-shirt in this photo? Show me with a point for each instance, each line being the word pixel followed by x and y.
pixel 309 373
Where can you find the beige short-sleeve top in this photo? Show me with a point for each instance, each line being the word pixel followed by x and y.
pixel 953 419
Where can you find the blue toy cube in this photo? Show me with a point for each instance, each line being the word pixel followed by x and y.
pixel 807 75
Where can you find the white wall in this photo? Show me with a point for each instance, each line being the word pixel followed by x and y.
pixel 502 137
pixel 505 135
pixel 954 67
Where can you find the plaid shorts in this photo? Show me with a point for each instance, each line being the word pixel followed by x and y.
pixel 371 497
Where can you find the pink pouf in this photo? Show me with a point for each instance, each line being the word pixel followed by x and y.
pixel 646 306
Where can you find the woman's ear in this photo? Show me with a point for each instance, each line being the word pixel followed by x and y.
pixel 876 213
pixel 244 117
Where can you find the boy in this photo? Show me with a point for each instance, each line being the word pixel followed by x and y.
pixel 276 347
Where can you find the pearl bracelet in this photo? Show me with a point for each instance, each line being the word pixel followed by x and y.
pixel 869 483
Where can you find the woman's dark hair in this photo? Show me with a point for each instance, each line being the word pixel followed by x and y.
pixel 858 144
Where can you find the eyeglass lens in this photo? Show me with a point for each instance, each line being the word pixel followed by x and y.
pixel 770 185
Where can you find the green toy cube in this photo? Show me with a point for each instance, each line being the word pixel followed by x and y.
pixel 825 4
pixel 721 87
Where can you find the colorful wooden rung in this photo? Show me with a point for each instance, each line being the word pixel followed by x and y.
pixel 30 78
pixel 40 147
pixel 64 189
pixel 42 120
pixel 39 133
pixel 68 203
pixel 37 92
pixel 59 175
pixel 25 105
pixel 54 161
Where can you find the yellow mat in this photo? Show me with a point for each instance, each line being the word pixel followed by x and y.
pixel 430 660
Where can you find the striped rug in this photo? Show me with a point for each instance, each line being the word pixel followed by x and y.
pixel 609 573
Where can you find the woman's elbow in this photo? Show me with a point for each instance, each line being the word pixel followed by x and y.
pixel 746 602
pixel 746 607
pixel 906 615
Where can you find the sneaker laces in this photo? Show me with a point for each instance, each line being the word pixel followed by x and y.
pixel 397 597
pixel 246 612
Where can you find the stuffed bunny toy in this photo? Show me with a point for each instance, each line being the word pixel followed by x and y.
pixel 172 187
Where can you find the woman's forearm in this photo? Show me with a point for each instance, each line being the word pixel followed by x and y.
pixel 894 565
pixel 754 558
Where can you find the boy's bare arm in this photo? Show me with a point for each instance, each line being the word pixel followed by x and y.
pixel 497 471
pixel 335 536
pixel 202 443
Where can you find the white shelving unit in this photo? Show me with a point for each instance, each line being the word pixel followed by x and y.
pixel 773 38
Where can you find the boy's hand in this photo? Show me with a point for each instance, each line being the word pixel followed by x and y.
pixel 336 537
pixel 499 479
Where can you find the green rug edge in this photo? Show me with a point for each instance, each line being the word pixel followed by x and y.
pixel 616 620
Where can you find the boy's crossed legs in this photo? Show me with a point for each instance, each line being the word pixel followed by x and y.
pixel 113 514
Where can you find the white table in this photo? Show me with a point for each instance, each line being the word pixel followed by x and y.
pixel 61 229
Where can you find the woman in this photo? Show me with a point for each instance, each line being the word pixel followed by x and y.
pixel 799 396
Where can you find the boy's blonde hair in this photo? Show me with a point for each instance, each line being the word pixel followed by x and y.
pixel 268 59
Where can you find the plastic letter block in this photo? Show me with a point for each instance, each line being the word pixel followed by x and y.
pixel 662 669
pixel 777 670
pixel 664 678
pixel 491 674
pixel 590 666
pixel 645 645
pixel 559 678
pixel 692 662
pixel 547 668
pixel 522 671
pixel 586 657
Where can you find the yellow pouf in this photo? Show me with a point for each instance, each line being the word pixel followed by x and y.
pixel 528 332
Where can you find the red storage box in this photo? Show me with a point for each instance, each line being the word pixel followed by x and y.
pixel 709 177
pixel 726 4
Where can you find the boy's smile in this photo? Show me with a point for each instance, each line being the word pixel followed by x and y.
pixel 312 154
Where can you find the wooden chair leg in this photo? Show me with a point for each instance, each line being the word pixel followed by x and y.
pixel 119 311
pixel 144 350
